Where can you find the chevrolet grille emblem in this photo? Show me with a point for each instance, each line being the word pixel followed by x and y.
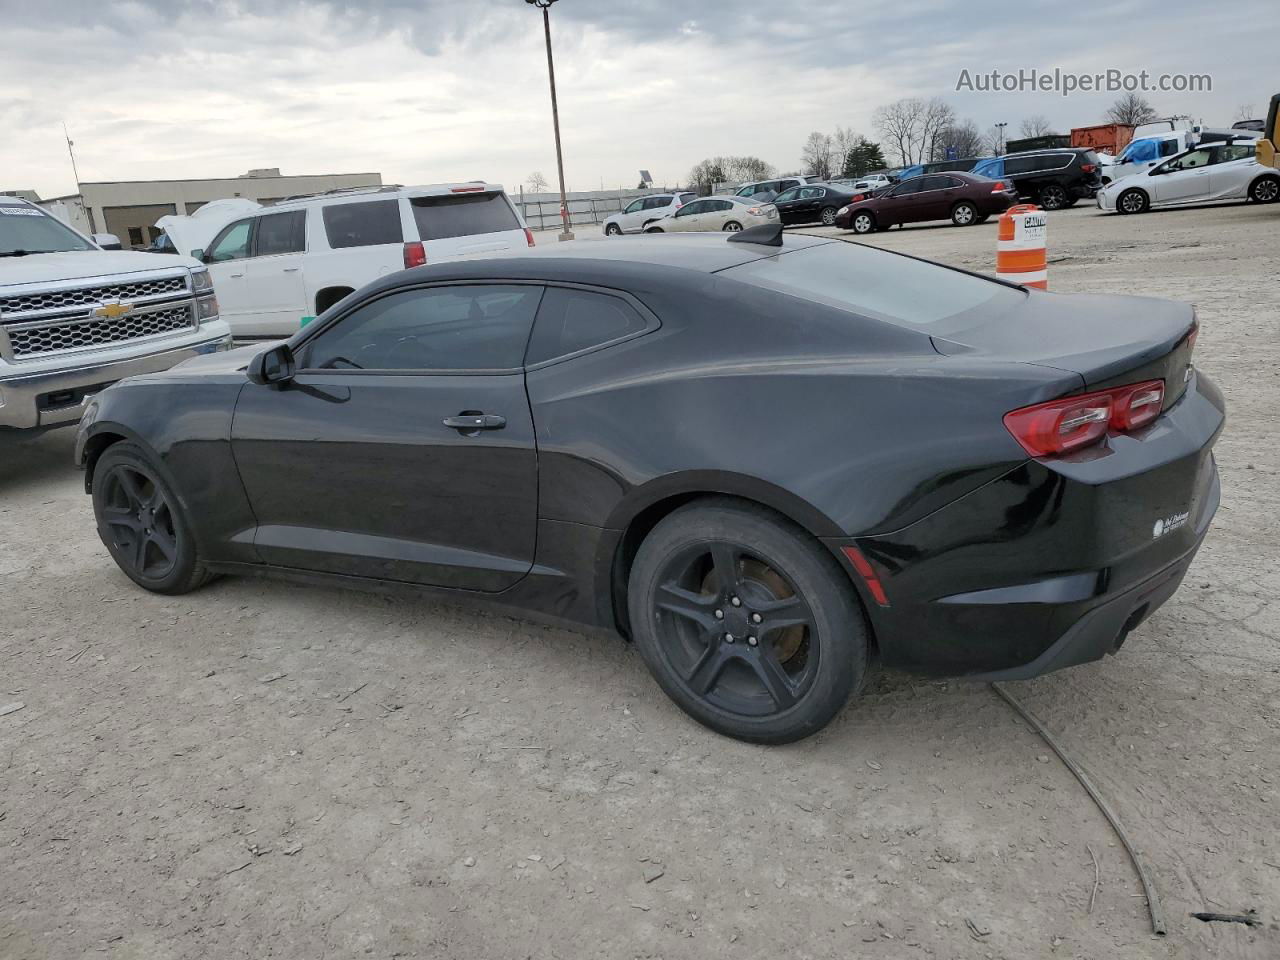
pixel 113 311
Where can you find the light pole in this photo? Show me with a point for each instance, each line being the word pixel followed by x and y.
pixel 545 7
pixel 1000 127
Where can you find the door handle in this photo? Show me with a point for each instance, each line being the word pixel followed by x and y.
pixel 235 276
pixel 475 421
pixel 292 269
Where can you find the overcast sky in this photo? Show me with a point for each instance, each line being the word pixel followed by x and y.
pixel 425 90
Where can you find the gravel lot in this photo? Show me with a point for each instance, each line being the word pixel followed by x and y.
pixel 267 770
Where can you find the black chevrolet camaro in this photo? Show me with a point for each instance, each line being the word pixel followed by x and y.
pixel 765 460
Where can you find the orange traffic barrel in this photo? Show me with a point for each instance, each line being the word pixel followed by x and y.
pixel 1021 245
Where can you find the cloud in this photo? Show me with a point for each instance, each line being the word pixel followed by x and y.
pixel 428 90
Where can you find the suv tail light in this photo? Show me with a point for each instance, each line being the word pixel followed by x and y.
pixel 1088 167
pixel 415 255
pixel 528 235
pixel 1061 426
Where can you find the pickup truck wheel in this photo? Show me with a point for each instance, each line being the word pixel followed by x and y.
pixel 1265 190
pixel 140 520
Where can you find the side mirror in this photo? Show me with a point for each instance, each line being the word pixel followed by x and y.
pixel 272 366
pixel 198 254
pixel 107 241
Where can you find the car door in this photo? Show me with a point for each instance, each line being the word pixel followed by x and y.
pixel 227 256
pixel 786 203
pixel 273 274
pixel 1184 179
pixel 629 220
pixel 939 196
pixel 403 449
pixel 686 218
pixel 904 202
pixel 1230 177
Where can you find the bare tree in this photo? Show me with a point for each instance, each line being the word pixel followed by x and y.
pixel 1035 126
pixel 845 139
pixel 964 137
pixel 938 116
pixel 899 126
pixel 537 182
pixel 1132 109
pixel 993 140
pixel 817 153
pixel 1245 112
pixel 706 174
pixel 746 168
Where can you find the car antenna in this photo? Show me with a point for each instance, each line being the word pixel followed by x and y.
pixel 767 234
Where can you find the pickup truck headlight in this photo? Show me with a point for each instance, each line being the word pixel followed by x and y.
pixel 201 282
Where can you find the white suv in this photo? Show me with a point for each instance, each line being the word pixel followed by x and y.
pixel 642 211
pixel 296 259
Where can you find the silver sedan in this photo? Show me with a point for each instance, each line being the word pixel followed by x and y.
pixel 729 214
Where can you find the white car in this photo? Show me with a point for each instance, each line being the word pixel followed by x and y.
pixel 729 214
pixel 1220 171
pixel 765 190
pixel 76 317
pixel 642 211
pixel 1148 150
pixel 868 184
pixel 294 260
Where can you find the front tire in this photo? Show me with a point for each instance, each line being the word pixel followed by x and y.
pixel 964 214
pixel 746 622
pixel 141 522
pixel 612 230
pixel 1133 200
pixel 1265 190
pixel 862 222
pixel 654 230
pixel 828 216
pixel 1053 196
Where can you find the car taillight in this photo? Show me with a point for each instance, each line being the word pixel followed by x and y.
pixel 1061 426
pixel 1088 167
pixel 415 255
pixel 528 235
pixel 858 198
pixel 999 187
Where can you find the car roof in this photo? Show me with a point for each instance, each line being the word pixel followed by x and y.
pixel 393 191
pixel 620 262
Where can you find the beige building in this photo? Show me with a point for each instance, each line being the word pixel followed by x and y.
pixel 130 208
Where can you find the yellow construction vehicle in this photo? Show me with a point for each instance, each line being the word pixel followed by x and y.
pixel 1268 145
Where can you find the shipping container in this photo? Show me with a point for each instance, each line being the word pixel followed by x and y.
pixel 1103 137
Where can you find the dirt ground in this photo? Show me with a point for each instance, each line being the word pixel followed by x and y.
pixel 267 770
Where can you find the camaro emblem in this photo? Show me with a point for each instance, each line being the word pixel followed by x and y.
pixel 113 310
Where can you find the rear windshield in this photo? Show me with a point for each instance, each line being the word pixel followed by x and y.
pixel 363 224
pixel 879 284
pixel 25 229
pixel 463 215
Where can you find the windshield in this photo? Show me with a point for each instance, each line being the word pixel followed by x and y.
pixel 25 229
pixel 879 284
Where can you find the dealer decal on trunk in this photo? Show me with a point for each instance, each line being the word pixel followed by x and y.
pixel 1166 524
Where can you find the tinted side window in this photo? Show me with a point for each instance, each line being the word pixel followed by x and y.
pixel 462 327
pixel 1169 147
pixel 573 320
pixel 786 195
pixel 280 233
pixel 231 244
pixel 1016 165
pixel 721 205
pixel 363 224
pixel 462 215
pixel 908 187
pixel 656 203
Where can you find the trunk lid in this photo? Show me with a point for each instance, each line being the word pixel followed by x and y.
pixel 1106 340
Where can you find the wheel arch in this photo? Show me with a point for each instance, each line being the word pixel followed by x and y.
pixel 102 437
pixel 649 505
pixel 327 296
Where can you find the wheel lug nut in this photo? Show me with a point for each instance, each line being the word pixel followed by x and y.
pixel 728 638
pixel 756 618
pixel 735 601
pixel 752 641
pixel 719 614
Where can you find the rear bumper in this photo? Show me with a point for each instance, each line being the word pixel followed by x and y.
pixel 51 398
pixel 1054 563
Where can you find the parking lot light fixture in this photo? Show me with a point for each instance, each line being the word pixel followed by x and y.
pixel 545 7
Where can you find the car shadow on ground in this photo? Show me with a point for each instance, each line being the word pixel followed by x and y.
pixel 27 458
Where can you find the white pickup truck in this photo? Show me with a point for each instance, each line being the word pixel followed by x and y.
pixel 75 318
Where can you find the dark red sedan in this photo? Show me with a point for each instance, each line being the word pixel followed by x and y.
pixel 963 198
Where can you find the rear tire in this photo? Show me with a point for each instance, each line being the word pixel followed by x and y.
pixel 733 226
pixel 862 222
pixel 828 216
pixel 1265 190
pixel 1053 196
pixel 142 524
pixel 964 214
pixel 1133 200
pixel 767 684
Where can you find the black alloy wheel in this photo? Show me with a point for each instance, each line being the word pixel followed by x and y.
pixel 1053 196
pixel 746 623
pixel 140 522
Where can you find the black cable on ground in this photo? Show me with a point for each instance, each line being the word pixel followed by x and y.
pixel 1153 901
